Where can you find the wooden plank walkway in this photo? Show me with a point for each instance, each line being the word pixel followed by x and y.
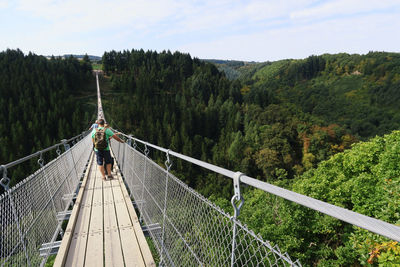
pixel 103 229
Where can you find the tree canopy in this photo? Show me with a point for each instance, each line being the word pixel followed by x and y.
pixel 38 104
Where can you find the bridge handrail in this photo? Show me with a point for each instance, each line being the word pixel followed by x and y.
pixel 371 224
pixel 32 211
pixel 187 228
pixel 36 154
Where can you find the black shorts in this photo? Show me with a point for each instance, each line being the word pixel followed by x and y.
pixel 103 156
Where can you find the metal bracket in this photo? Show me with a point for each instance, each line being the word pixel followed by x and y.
pixel 237 195
pixel 51 248
pixel 134 144
pixel 129 142
pixel 66 145
pixel 151 228
pixel 40 160
pixel 236 184
pixel 5 181
pixel 58 151
pixel 69 197
pixel 137 203
pixel 64 215
pixel 168 162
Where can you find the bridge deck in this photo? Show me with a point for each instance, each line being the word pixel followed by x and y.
pixel 103 229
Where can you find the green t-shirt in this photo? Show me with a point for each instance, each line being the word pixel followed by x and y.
pixel 108 132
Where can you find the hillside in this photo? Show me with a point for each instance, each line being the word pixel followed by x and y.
pixel 275 122
pixel 234 69
pixel 41 102
pixel 189 106
pixel 359 92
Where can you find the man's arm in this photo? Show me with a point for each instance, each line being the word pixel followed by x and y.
pixel 115 136
pixel 92 133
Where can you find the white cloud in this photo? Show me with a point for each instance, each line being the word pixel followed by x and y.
pixel 352 35
pixel 89 15
pixel 3 4
pixel 343 7
pixel 264 10
pixel 247 29
pixel 214 15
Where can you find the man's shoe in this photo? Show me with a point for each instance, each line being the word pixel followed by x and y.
pixel 110 177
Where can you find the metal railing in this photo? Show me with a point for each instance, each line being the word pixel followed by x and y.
pixel 189 221
pixel 28 211
pixel 188 229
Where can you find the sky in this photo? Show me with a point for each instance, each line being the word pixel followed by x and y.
pixel 249 30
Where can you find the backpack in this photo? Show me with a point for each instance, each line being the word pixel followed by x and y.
pixel 100 139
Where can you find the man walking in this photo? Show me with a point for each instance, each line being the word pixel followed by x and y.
pixel 101 139
pixel 95 125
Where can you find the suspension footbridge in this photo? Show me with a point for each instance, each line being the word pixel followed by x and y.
pixel 104 228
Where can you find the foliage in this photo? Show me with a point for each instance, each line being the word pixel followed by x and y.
pixel 360 93
pixel 366 180
pixel 38 104
pixel 189 106
pixel 50 261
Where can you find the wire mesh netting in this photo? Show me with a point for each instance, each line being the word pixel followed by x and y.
pixel 187 229
pixel 28 211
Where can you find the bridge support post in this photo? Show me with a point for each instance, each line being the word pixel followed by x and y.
pixel 146 154
pixel 168 165
pixel 67 147
pixel 236 197
pixel 123 157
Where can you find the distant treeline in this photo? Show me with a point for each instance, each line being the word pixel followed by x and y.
pixel 84 57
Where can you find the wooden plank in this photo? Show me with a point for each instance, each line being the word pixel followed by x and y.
pixel 130 247
pixel 144 247
pixel 77 250
pixel 112 245
pixel 65 244
pixel 95 248
pixel 106 211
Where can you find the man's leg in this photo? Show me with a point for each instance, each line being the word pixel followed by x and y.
pixel 109 171
pixel 107 160
pixel 102 171
pixel 100 159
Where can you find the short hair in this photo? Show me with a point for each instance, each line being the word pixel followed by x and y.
pixel 101 122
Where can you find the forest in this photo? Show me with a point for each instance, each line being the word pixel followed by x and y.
pixel 293 123
pixel 38 105
pixel 307 125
